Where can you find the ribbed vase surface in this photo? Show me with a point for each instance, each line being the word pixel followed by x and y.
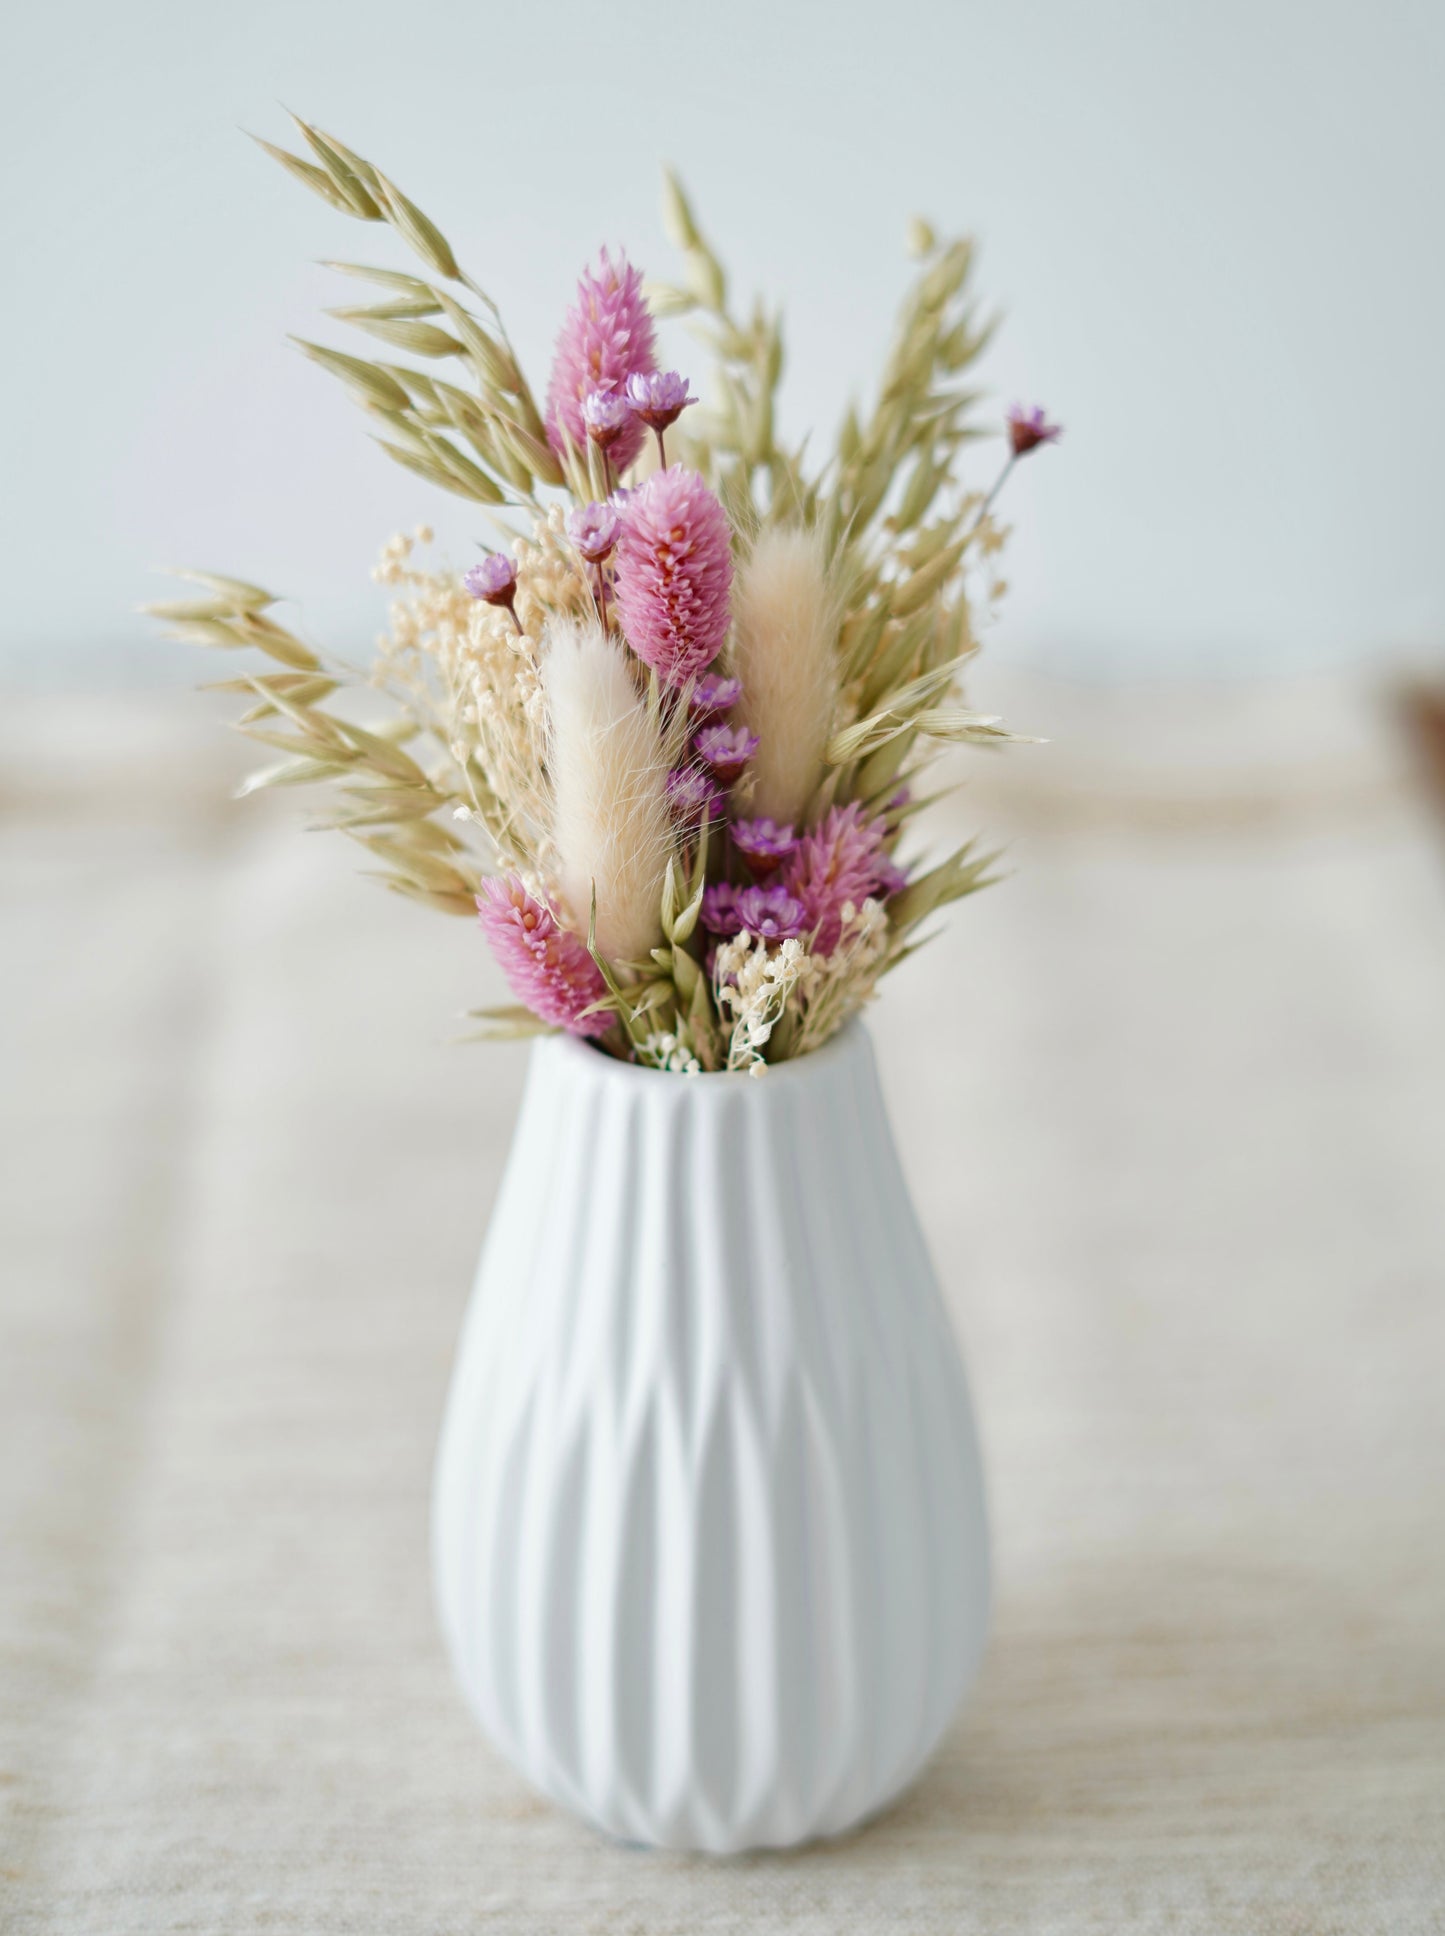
pixel 709 1534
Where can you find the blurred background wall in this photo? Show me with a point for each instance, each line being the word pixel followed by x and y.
pixel 1214 228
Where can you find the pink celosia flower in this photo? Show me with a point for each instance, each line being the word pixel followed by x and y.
pixel 841 861
pixel 605 338
pixel 674 572
pixel 546 965
pixel 726 749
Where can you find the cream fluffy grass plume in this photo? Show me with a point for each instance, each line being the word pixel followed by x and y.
pixel 611 825
pixel 785 654
pixel 665 736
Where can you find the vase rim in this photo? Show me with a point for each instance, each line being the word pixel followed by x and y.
pixel 849 1042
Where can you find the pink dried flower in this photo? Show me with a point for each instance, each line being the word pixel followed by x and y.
pixel 674 573
pixel 659 398
pixel 691 792
pixel 764 844
pixel 605 338
pixel 842 860
pixel 494 581
pixel 714 695
pixel 545 964
pixel 771 913
pixel 593 529
pixel 726 749
pixel 605 415
pixel 1027 429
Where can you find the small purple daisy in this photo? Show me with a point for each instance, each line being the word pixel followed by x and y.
pixel 658 398
pixel 692 792
pixel 593 529
pixel 494 581
pixel 727 750
pixel 763 844
pixel 606 414
pixel 713 695
pixel 720 909
pixel 771 913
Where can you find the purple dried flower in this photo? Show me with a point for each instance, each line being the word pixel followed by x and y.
pixel 727 749
pixel 494 581
pixel 605 415
pixel 1027 429
pixel 691 792
pixel 764 844
pixel 714 695
pixel 605 337
pixel 593 529
pixel 659 398
pixel 674 574
pixel 889 877
pixel 771 913
pixel 546 965
pixel 720 909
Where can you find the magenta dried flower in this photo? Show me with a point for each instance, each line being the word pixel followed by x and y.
pixel 771 913
pixel 494 581
pixel 713 695
pixel 691 792
pixel 605 415
pixel 674 574
pixel 1027 429
pixel 720 909
pixel 727 750
pixel 764 844
pixel 606 337
pixel 593 530
pixel 546 965
pixel 659 398
pixel 890 878
pixel 842 862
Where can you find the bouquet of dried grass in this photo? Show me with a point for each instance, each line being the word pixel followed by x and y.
pixel 668 741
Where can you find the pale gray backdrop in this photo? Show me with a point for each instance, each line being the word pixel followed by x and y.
pixel 1215 229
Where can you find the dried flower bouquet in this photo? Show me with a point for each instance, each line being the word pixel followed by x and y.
pixel 668 741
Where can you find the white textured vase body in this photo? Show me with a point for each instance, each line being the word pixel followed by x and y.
pixel 709 1534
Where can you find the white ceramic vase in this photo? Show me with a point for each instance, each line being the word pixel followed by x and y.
pixel 708 1525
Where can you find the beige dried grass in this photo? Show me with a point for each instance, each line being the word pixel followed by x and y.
pixel 611 827
pixel 785 653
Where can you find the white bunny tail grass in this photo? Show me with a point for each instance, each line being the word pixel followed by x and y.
pixel 611 827
pixel 785 653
